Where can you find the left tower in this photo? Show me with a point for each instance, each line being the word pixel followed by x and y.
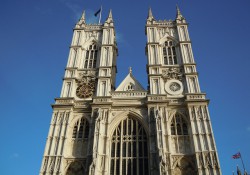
pixel 89 74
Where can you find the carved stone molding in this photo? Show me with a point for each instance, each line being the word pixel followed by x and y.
pixel 172 73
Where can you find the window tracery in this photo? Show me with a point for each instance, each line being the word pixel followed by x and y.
pixel 129 149
pixel 169 53
pixel 178 126
pixel 180 134
pixel 81 129
pixel 91 56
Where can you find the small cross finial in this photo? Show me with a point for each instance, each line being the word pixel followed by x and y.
pixel 130 70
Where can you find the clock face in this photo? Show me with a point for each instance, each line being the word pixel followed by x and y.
pixel 85 90
pixel 174 87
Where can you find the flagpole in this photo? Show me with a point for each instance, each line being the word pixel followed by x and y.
pixel 242 163
pixel 100 16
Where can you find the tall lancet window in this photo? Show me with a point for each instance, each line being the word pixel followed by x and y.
pixel 178 126
pixel 81 129
pixel 169 53
pixel 91 57
pixel 129 149
pixel 180 136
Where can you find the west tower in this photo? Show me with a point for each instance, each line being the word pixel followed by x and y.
pixel 99 129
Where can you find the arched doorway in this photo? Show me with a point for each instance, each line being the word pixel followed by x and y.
pixel 129 149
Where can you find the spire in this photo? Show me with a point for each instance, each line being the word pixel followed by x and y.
pixel 150 18
pixel 130 70
pixel 110 17
pixel 178 11
pixel 150 14
pixel 179 16
pixel 82 19
pixel 110 14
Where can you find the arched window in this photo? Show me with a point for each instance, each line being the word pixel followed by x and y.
pixel 169 53
pixel 178 126
pixel 179 135
pixel 91 57
pixel 129 87
pixel 75 168
pixel 129 149
pixel 81 129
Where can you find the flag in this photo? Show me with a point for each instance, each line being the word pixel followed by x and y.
pixel 236 156
pixel 97 12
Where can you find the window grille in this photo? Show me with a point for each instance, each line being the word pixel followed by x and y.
pixel 169 53
pixel 81 129
pixel 91 57
pixel 178 126
pixel 129 149
pixel 179 132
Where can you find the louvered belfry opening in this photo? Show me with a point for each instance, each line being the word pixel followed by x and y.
pixel 129 149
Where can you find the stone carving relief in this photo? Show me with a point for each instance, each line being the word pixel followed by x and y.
pixel 86 84
pixel 183 165
pixel 58 164
pixel 164 163
pixel 193 113
pixel 45 164
pixel 92 35
pixel 215 162
pixel 55 118
pixel 87 73
pixel 201 162
pixel 172 73
pixel 52 164
pixel 199 113
pixel 158 118
pixel 162 32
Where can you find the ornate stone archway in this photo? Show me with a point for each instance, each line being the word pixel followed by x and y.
pixel 129 148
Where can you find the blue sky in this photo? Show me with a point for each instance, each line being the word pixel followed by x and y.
pixel 34 43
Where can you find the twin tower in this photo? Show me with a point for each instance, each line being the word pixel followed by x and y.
pixel 98 129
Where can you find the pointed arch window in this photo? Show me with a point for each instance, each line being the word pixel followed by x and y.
pixel 75 168
pixel 91 56
pixel 81 129
pixel 129 87
pixel 178 126
pixel 129 149
pixel 180 136
pixel 169 53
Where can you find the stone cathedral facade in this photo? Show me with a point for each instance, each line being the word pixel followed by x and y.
pixel 97 129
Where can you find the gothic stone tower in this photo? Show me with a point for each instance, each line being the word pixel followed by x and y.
pixel 99 130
